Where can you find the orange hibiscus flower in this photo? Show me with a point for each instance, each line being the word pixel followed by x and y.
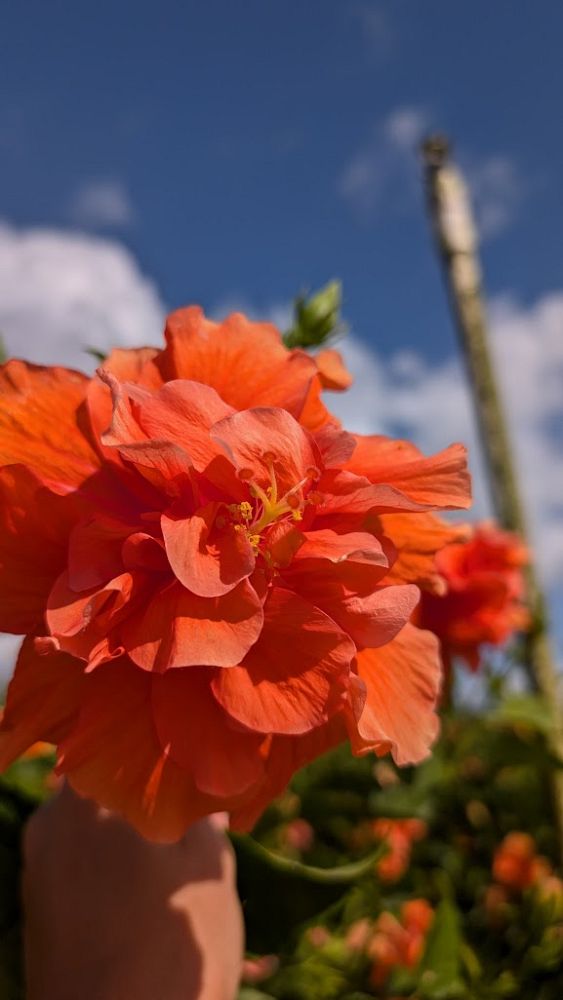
pixel 483 603
pixel 399 943
pixel 203 577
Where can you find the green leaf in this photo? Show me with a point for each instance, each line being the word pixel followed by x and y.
pixel 440 970
pixel 529 711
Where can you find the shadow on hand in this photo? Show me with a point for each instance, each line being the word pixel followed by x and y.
pixel 111 916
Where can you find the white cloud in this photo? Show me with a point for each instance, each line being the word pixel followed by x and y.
pixel 101 203
pixel 61 292
pixel 405 127
pixel 431 405
pixel 386 166
pixel 497 190
pixel 386 173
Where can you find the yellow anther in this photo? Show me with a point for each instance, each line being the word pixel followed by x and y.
pixel 245 510
pixel 297 515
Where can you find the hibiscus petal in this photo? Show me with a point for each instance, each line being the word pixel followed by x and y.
pixel 335 445
pixel 179 629
pixel 402 681
pixel 169 431
pixel 94 554
pixel 42 701
pixel 355 546
pixel 346 497
pixel 376 619
pixel 296 675
pixel 267 373
pixel 127 365
pixel 208 559
pixel 42 423
pixel 441 481
pixel 260 438
pixel 417 539
pixel 332 370
pixel 200 736
pixel 34 523
pixel 343 582
pixel 183 413
pixel 69 612
pixel 113 755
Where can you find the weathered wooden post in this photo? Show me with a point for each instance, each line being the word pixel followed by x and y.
pixel 457 244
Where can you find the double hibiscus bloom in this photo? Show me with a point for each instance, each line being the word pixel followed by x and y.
pixel 214 579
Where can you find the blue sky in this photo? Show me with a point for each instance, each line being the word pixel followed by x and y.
pixel 153 154
pixel 229 129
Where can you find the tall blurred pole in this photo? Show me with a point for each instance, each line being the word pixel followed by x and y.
pixel 456 240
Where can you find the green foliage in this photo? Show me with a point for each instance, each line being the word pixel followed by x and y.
pixel 486 777
pixel 316 318
pixel 440 972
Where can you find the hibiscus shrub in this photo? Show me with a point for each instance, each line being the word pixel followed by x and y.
pixel 466 902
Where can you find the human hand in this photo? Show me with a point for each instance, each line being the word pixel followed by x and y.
pixel 111 916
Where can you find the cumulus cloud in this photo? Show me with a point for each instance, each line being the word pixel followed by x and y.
pixel 405 395
pixel 101 203
pixel 386 163
pixel 385 173
pixel 497 191
pixel 62 292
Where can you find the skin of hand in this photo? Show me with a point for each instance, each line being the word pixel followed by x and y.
pixel 111 916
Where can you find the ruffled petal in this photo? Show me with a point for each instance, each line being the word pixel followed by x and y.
pixel 347 500
pixel 43 423
pixel 267 374
pixel 402 681
pixel 417 539
pixel 257 440
pixel 279 689
pixel 113 755
pixel 201 738
pixel 179 629
pixel 340 574
pixel 127 365
pixel 43 698
pixel 168 431
pixel 440 481
pixel 34 523
pixel 375 619
pixel 352 547
pixel 84 623
pixel 332 370
pixel 205 552
pixel 94 555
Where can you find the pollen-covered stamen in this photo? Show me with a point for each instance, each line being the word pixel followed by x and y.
pixel 270 507
pixel 273 508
